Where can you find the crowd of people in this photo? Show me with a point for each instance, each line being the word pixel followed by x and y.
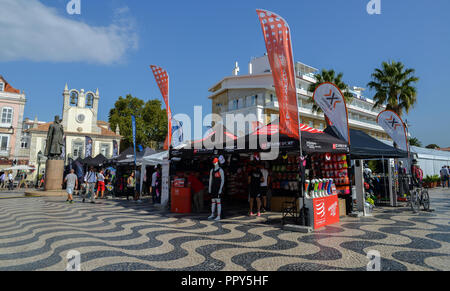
pixel 95 184
pixel 7 180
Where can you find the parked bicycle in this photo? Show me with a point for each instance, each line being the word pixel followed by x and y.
pixel 419 196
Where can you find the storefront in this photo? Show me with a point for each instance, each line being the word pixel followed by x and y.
pixel 325 168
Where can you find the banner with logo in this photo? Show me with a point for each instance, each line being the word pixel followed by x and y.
pixel 133 126
pixel 115 149
pixel 394 127
pixel 277 36
pixel 162 79
pixel 331 100
pixel 63 150
pixel 177 133
pixel 88 147
pixel 326 211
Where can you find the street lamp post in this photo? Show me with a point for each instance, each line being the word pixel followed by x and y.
pixel 39 155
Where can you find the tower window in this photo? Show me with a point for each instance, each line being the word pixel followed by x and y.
pixel 74 98
pixel 90 100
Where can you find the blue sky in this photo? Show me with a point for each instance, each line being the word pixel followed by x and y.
pixel 112 43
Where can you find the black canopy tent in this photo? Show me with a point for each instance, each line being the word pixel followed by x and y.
pixel 97 161
pixel 263 140
pixel 364 147
pixel 124 155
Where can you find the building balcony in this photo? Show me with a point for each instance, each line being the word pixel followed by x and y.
pixel 5 152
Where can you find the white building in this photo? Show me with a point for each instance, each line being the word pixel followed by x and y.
pixel 254 93
pixel 12 105
pixel 79 119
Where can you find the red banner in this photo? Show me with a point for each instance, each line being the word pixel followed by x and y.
pixel 279 49
pixel 326 211
pixel 162 79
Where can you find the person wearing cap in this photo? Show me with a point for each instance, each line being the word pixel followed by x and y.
pixel 216 182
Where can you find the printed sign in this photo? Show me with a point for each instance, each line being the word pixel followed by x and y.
pixel 326 211
pixel 394 127
pixel 330 99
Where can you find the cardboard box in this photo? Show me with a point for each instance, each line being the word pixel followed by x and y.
pixel 342 208
pixel 277 203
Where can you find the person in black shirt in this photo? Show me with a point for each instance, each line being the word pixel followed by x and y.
pixel 254 180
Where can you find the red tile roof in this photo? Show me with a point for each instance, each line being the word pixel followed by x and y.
pixel 8 88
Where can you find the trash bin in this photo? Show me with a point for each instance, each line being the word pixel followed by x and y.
pixel 181 200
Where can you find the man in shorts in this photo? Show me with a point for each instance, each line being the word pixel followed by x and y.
pixel 254 180
pixel 72 183
pixel 100 185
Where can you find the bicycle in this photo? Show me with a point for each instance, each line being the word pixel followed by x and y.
pixel 419 196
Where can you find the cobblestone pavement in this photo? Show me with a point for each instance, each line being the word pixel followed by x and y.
pixel 37 234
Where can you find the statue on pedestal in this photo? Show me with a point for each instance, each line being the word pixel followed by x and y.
pixel 55 140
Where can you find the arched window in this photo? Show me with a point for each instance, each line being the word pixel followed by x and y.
pixel 90 100
pixel 7 115
pixel 74 98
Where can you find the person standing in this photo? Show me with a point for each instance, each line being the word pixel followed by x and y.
pixel 216 182
pixel 444 176
pixel 255 179
pixel 100 185
pixel 264 187
pixel 90 179
pixel 138 186
pixel 197 192
pixel 417 174
pixel 2 180
pixel 154 189
pixel 131 185
pixel 72 183
pixel 10 181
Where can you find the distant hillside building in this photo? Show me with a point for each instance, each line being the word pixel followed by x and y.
pixel 12 105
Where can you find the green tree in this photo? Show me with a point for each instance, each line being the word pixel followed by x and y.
pixel 394 87
pixel 329 76
pixel 433 146
pixel 151 121
pixel 415 142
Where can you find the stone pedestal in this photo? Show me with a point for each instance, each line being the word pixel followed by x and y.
pixel 54 172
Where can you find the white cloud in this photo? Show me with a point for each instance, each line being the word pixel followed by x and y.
pixel 32 31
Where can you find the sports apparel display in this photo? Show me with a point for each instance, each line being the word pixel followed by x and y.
pixel 216 183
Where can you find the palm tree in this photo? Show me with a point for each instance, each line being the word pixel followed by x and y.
pixel 394 86
pixel 433 146
pixel 415 142
pixel 328 76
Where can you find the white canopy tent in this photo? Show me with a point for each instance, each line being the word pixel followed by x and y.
pixel 20 168
pixel 161 158
pixel 429 160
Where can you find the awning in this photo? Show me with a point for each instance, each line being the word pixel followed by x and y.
pixel 264 139
pixel 363 146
